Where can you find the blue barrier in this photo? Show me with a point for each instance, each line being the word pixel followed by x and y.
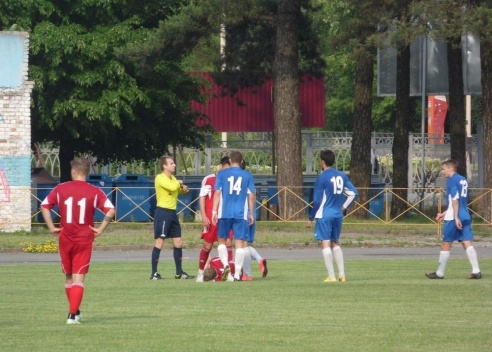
pixel 132 202
pixel 105 183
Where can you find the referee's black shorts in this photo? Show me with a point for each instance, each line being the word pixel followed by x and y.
pixel 166 223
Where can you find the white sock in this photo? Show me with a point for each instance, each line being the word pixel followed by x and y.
pixel 328 256
pixel 222 249
pixel 255 254
pixel 247 261
pixel 443 261
pixel 338 255
pixel 473 258
pixel 200 272
pixel 238 263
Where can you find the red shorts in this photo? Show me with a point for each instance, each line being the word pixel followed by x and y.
pixel 211 235
pixel 75 257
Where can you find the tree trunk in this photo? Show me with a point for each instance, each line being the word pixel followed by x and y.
pixel 457 120
pixel 400 141
pixel 287 117
pixel 486 66
pixel 66 155
pixel 360 163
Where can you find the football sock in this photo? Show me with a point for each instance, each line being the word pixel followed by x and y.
pixel 204 253
pixel 473 258
pixel 443 261
pixel 255 254
pixel 238 263
pixel 178 259
pixel 328 256
pixel 338 256
pixel 247 262
pixel 223 254
pixel 229 253
pixel 156 253
pixel 76 294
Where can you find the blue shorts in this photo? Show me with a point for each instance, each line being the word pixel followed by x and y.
pixel 451 233
pixel 328 229
pixel 239 227
pixel 166 224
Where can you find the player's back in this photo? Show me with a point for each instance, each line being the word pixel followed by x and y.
pixel 234 184
pixel 77 201
pixel 333 184
pixel 458 185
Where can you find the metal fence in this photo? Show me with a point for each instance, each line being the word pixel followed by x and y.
pixel 257 151
pixel 137 204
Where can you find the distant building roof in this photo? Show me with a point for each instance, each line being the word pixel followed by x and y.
pixel 251 108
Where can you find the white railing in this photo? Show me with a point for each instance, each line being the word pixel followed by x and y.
pixel 257 151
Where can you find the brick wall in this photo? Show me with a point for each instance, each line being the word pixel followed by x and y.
pixel 15 134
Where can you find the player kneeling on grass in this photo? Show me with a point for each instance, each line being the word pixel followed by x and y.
pixel 215 270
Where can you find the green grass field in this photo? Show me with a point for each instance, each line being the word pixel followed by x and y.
pixel 386 305
pixel 268 234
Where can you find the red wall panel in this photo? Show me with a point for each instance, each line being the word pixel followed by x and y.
pixel 251 108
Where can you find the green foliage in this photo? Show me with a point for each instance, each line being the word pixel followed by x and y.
pixel 89 97
pixel 205 56
pixel 247 57
pixel 341 23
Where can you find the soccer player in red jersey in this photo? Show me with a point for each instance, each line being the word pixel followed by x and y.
pixel 215 270
pixel 209 233
pixel 77 201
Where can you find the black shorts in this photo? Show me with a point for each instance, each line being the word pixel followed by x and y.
pixel 166 224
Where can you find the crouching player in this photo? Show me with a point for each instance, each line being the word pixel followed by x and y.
pixel 215 270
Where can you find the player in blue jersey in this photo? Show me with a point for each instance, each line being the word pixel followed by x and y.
pixel 250 252
pixel 328 207
pixel 234 204
pixel 457 222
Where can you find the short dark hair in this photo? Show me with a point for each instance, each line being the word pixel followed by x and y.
pixel 328 156
pixel 243 164
pixel 225 161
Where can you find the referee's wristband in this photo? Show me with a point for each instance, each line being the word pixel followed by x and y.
pixel 214 212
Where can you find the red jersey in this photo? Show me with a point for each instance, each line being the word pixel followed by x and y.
pixel 207 190
pixel 77 201
pixel 216 263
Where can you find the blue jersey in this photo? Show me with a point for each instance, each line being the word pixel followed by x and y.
pixel 329 191
pixel 234 184
pixel 457 189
